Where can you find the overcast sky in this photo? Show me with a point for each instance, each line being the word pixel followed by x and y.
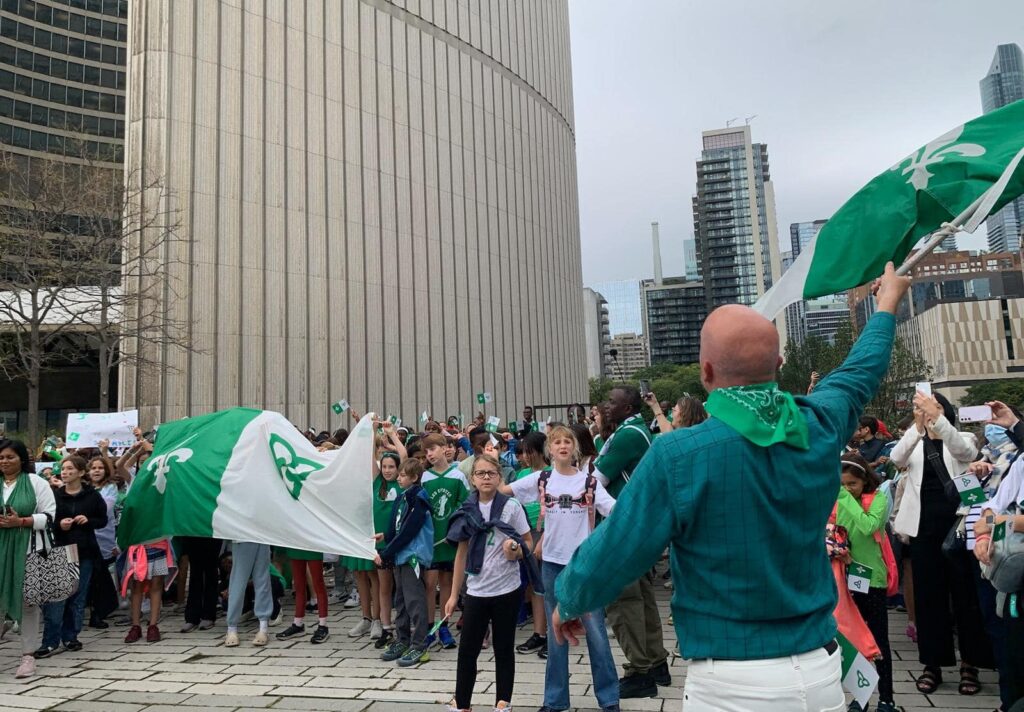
pixel 841 90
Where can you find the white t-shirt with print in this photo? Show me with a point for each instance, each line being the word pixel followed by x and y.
pixel 566 523
pixel 498 575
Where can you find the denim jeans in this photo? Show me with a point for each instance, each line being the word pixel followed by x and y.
pixel 62 620
pixel 602 664
pixel 249 560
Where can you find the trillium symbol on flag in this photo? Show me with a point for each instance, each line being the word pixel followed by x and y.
pixel 293 469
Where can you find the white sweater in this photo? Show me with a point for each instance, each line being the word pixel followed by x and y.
pixel 959 450
pixel 45 504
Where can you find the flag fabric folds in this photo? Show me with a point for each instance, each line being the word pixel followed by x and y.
pixel 968 172
pixel 249 475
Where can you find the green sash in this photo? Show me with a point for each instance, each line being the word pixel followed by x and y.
pixel 13 546
pixel 762 414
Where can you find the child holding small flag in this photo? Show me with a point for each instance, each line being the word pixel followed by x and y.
pixel 861 510
pixel 409 547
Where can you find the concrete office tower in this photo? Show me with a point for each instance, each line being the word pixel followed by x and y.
pixel 632 355
pixel 596 334
pixel 1003 85
pixel 380 200
pixel 734 219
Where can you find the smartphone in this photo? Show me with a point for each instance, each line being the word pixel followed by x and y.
pixel 645 388
pixel 975 413
pixel 924 387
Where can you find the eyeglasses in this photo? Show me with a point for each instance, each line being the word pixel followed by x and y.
pixel 486 473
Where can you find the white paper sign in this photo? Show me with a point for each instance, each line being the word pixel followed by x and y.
pixel 87 429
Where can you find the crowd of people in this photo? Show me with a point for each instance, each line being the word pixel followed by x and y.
pixel 482 531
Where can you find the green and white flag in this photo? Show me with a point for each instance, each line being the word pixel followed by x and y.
pixel 513 427
pixel 976 166
pixel 340 407
pixel 858 577
pixel 424 417
pixel 859 676
pixel 483 398
pixel 248 475
pixel 969 488
pixel 492 424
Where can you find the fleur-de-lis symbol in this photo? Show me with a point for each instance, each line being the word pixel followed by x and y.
pixel 161 465
pixel 935 152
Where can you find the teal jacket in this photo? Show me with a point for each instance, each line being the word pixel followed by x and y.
pixel 745 524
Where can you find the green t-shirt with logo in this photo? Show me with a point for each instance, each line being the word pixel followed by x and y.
pixel 382 507
pixel 446 494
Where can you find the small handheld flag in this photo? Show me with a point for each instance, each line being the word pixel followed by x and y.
pixel 340 407
pixel 483 398
pixel 492 424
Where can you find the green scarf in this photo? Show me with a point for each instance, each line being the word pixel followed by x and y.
pixel 762 414
pixel 13 547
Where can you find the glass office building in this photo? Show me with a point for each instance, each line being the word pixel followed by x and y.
pixel 62 77
pixel 1003 85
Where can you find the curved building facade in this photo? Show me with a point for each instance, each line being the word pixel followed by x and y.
pixel 378 202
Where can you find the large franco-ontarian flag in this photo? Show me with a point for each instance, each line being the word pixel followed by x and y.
pixel 968 172
pixel 249 475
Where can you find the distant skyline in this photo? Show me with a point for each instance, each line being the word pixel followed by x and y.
pixel 840 92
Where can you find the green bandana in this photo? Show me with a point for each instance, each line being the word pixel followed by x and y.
pixel 762 414
pixel 13 547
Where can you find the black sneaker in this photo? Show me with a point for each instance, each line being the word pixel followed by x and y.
pixel 662 677
pixel 98 624
pixel 637 685
pixel 45 651
pixel 384 640
pixel 320 634
pixel 73 645
pixel 532 645
pixel 543 652
pixel 291 631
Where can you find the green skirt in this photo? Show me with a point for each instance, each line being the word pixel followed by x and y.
pixel 353 564
pixel 301 555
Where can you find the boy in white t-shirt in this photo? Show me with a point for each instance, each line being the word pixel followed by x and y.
pixel 570 500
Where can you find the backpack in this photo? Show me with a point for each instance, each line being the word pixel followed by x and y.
pixel 892 573
pixel 587 498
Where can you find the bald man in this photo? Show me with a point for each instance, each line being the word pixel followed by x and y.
pixel 742 501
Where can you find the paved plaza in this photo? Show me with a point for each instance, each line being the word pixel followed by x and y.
pixel 195 670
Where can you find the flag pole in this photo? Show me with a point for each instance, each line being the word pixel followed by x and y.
pixel 950 228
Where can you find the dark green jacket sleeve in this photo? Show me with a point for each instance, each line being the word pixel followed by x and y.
pixel 624 452
pixel 626 544
pixel 841 396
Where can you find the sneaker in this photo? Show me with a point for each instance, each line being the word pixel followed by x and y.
pixel 375 630
pixel 525 615
pixel 312 607
pixel 231 640
pixel 532 645
pixel 637 685
pixel 353 600
pixel 153 634
pixel 543 652
pixel 336 597
pixel 27 667
pixel 291 631
pixel 503 707
pixel 361 628
pixel 134 634
pixel 669 585
pixel 855 707
pixel 95 623
pixel 395 651
pixel 73 645
pixel 386 636
pixel 189 627
pixel 429 641
pixel 45 651
pixel 260 639
pixel 276 621
pixel 662 677
pixel 445 636
pixel 886 707
pixel 414 656
pixel 320 635
pixel 205 625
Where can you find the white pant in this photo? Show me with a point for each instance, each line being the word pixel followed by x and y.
pixel 30 633
pixel 810 682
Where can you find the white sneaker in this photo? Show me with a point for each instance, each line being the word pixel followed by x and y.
pixel 231 640
pixel 336 597
pixel 27 667
pixel 361 628
pixel 277 621
pixel 261 639
pixel 353 600
pixel 376 630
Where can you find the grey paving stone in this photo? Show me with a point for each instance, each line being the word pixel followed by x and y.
pixel 141 695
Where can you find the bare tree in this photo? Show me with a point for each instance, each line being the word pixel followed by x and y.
pixel 83 262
